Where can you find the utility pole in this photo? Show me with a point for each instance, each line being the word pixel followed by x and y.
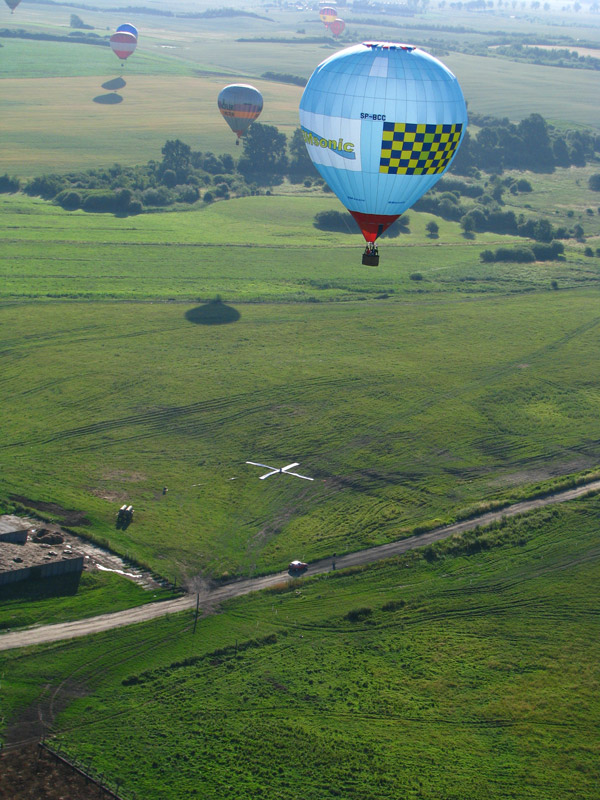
pixel 197 606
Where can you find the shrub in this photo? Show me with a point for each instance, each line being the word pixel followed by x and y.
pixel 454 185
pixel 429 553
pixel 467 223
pixel 432 229
pixel 397 227
pixel 123 198
pixel 8 184
pixel 222 190
pixel 159 196
pixel 169 178
pixel 187 194
pixel 522 255
pixel 135 207
pixel 393 605
pixel 338 221
pixel 99 201
pixel 208 198
pixel 487 256
pixel 524 185
pixel 357 614
pixel 68 199
pixel 588 252
pixel 554 285
pixel 416 276
pixel 548 252
pixel 46 186
pixel 594 182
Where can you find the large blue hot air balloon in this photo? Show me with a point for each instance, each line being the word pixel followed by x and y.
pixel 382 123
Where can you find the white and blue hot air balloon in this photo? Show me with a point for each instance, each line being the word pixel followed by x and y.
pixel 382 123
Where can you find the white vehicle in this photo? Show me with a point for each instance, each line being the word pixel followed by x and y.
pixel 297 566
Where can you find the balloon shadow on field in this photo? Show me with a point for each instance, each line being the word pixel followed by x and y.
pixel 215 312
pixel 115 83
pixel 108 99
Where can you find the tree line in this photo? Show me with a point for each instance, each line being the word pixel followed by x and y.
pixel 182 176
pixel 464 195
pixel 531 144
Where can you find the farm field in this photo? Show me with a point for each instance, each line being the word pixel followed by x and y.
pixel 145 358
pixel 440 403
pixel 470 668
pixel 45 135
pixel 266 249
pixel 173 79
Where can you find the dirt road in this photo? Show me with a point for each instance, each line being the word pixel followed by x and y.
pixel 71 630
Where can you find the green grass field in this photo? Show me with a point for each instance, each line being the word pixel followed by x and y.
pixel 447 676
pixel 414 394
pixel 439 403
pixel 258 249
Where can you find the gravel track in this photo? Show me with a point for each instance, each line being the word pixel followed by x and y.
pixel 212 597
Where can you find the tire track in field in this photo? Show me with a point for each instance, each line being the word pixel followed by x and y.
pixel 81 675
pixel 164 418
pixel 487 444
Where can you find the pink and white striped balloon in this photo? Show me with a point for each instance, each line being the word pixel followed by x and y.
pixel 123 44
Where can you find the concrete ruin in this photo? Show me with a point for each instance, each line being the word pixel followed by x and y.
pixel 36 553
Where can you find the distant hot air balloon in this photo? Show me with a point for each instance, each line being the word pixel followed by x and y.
pixel 327 14
pixel 382 123
pixel 12 4
pixel 240 104
pixel 127 27
pixel 337 26
pixel 123 44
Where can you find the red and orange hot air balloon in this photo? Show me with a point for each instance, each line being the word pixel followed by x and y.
pixel 337 26
pixel 327 15
pixel 240 104
pixel 123 44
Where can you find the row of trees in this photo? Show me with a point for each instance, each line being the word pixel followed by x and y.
pixel 184 175
pixel 524 255
pixel 549 57
pixel 532 144
pixel 343 222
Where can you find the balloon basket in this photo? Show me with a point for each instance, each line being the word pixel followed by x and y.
pixel 370 261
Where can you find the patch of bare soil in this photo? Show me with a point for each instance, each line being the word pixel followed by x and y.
pixel 67 516
pixel 31 774
pixel 122 475
pixel 543 472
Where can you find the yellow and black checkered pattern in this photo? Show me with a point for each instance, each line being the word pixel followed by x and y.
pixel 411 149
